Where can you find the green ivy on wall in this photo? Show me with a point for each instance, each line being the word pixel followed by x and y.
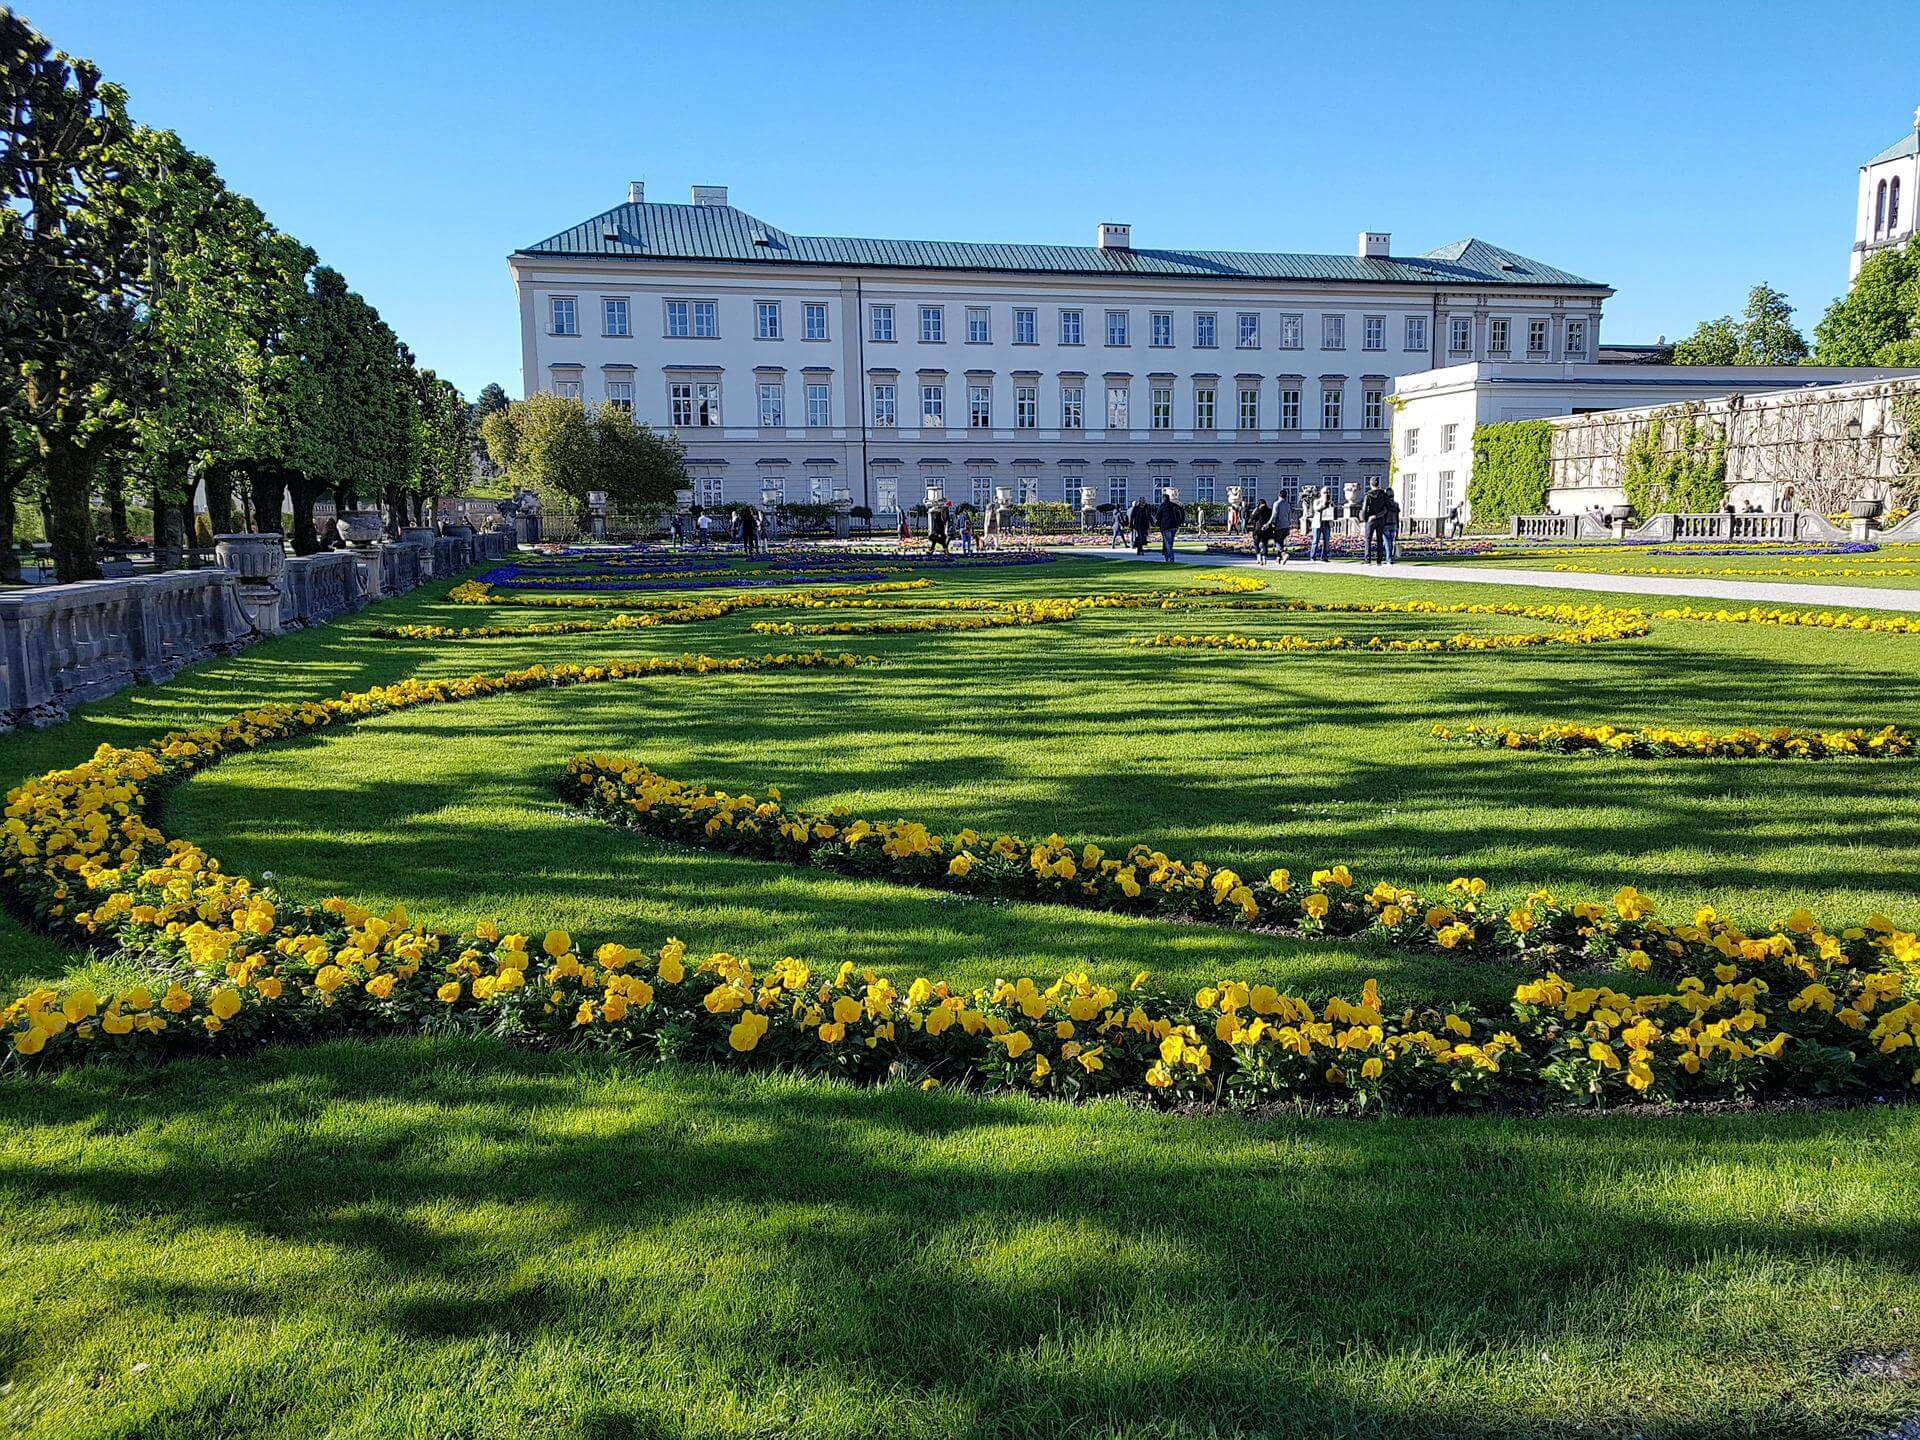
pixel 1688 474
pixel 1510 470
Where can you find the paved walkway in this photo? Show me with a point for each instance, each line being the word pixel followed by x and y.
pixel 1745 592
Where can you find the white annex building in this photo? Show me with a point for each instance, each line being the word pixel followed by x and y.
pixel 798 367
pixel 1889 189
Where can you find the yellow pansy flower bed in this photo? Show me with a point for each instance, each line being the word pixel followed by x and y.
pixel 1659 742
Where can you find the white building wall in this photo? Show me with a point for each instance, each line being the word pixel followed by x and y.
pixel 1877 222
pixel 734 458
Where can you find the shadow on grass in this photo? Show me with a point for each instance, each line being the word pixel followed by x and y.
pixel 967 1267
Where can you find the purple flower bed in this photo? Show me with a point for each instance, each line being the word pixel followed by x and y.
pixel 1754 551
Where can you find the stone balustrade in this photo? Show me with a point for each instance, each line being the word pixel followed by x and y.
pixel 1717 526
pixel 63 645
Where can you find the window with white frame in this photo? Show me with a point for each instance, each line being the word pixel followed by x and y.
pixel 679 325
pixel 1416 333
pixel 1447 491
pixel 1026 407
pixel 1373 333
pixel 886 399
pixel 680 403
pixel 1028 489
pixel 1247 325
pixel 1536 337
pixel 1410 441
pixel 1499 335
pixel 1205 403
pixel 1333 332
pixel 1373 408
pixel 706 319
pixel 773 484
pixel 567 389
pixel 712 492
pixel 1070 333
pixel 1204 333
pixel 1072 483
pixel 620 395
pixel 1159 482
pixel 1026 327
pixel 1117 327
pixel 813 321
pixel 1576 339
pixel 773 404
pixel 1289 407
pixel 1331 394
pixel 1160 329
pixel 819 405
pixel 978 328
pixel 706 402
pixel 766 319
pixel 880 326
pixel 1116 407
pixel 1116 487
pixel 979 407
pixel 1290 485
pixel 886 494
pixel 1460 335
pixel 1249 482
pixel 1162 407
pixel 982 488
pixel 566 315
pixel 614 319
pixel 1073 407
pixel 1203 484
pixel 1249 407
pixel 933 324
pixel 933 406
pixel 1293 330
pixel 1449 437
pixel 819 484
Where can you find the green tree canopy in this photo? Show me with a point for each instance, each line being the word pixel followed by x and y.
pixel 1881 310
pixel 1763 335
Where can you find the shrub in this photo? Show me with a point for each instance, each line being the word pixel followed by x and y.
pixel 1511 470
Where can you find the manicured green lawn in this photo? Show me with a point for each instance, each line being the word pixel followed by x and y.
pixel 1876 569
pixel 433 1238
pixel 429 1239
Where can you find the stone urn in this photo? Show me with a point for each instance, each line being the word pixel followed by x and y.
pixel 1866 509
pixel 362 527
pixel 256 558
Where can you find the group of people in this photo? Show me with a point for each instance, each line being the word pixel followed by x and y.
pixel 945 524
pixel 1273 521
pixel 1142 518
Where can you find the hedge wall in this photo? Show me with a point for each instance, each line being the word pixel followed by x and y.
pixel 1510 470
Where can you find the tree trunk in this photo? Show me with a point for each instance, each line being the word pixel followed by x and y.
pixel 9 557
pixel 305 492
pixel 219 483
pixel 166 535
pixel 116 489
pixel 396 510
pixel 69 475
pixel 269 486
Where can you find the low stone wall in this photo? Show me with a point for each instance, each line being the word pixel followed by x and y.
pixel 63 645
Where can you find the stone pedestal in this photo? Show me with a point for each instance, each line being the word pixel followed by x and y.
pixel 261 562
pixel 1860 529
pixel 367 557
pixel 422 538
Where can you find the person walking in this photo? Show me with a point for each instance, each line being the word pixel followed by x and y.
pixel 964 520
pixel 996 520
pixel 1170 516
pixel 906 529
pixel 1373 515
pixel 1455 526
pixel 704 528
pixel 750 530
pixel 1282 523
pixel 1261 526
pixel 1390 528
pixel 937 528
pixel 1321 547
pixel 1140 522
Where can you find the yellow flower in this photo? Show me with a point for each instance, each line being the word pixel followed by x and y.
pixel 557 943
pixel 30 1042
pixel 1018 1042
pixel 449 992
pixel 225 1002
pixel 746 1034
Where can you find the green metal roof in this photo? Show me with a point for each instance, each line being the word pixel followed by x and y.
pixel 1907 144
pixel 723 233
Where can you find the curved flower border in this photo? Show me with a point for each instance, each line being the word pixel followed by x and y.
pixel 1661 743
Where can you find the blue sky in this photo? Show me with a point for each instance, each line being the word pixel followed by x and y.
pixel 1679 152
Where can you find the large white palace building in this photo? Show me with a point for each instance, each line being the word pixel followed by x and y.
pixel 799 367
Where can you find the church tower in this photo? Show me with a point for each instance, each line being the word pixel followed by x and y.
pixel 1889 194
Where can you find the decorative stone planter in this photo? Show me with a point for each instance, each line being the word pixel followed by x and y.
pixel 362 527
pixel 421 537
pixel 1620 513
pixel 1866 509
pixel 252 557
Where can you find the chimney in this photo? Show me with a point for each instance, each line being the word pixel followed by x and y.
pixel 1375 245
pixel 709 194
pixel 636 192
pixel 1115 237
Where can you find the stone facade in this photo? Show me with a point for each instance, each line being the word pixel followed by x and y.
pixel 1805 449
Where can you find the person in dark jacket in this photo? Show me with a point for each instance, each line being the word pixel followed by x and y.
pixel 1282 523
pixel 1373 514
pixel 1140 522
pixel 749 530
pixel 1261 528
pixel 1390 529
pixel 1169 516
pixel 937 528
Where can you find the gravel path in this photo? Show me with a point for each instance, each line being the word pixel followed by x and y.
pixel 1744 592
